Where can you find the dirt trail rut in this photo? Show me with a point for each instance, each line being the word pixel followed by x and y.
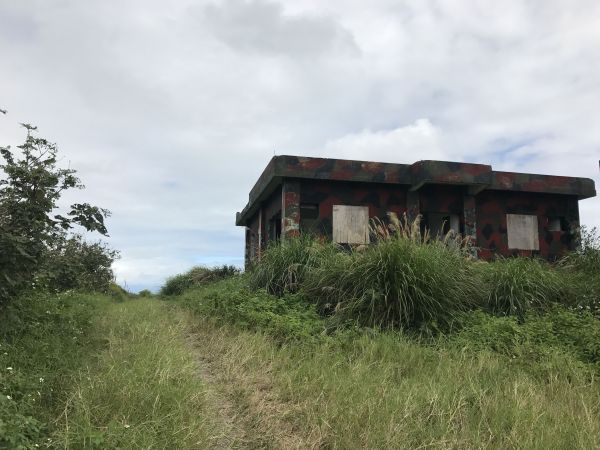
pixel 244 401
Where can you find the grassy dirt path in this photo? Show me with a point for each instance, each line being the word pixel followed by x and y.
pixel 167 380
pixel 240 392
pixel 143 390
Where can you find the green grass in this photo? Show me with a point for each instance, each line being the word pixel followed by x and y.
pixel 44 340
pixel 395 283
pixel 96 372
pixel 144 390
pixel 536 388
pixel 286 318
pixel 513 286
pixel 196 276
pixel 284 265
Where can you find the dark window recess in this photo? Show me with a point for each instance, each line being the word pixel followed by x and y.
pixel 274 230
pixel 309 217
pixel 557 224
pixel 439 224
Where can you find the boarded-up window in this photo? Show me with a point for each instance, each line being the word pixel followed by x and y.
pixel 522 232
pixel 350 224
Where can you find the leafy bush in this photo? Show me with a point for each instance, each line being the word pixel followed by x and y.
pixel 539 335
pixel 395 282
pixel 72 263
pixel 30 188
pixel 285 318
pixel 284 265
pixel 197 276
pixel 514 286
pixel 145 293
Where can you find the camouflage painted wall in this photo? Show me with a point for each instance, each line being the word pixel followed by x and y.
pixel 380 198
pixel 486 211
pixel 271 210
pixel 479 196
pixel 492 207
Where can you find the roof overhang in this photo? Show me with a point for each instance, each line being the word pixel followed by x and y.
pixel 475 177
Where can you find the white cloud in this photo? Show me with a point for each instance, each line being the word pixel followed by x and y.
pixel 419 140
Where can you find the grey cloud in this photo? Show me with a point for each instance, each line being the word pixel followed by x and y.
pixel 263 26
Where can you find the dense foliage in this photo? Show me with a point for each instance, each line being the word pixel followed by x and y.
pixel 197 276
pixel 72 263
pixel 408 279
pixel 31 232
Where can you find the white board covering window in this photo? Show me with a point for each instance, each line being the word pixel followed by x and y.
pixel 350 224
pixel 522 232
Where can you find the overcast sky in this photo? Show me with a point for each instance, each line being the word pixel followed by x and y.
pixel 170 110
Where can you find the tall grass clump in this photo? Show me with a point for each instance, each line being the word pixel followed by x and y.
pixel 197 276
pixel 514 286
pixel 586 258
pixel 284 265
pixel 403 280
pixel 581 271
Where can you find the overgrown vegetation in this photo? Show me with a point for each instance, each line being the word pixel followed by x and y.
pixel 407 279
pixel 197 276
pixel 44 340
pixel 34 245
pixel 142 391
pixel 490 382
pixel 407 343
pixel 288 318
pixel 46 331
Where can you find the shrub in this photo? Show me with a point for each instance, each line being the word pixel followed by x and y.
pixel 72 263
pixel 513 286
pixel 30 188
pixel 117 292
pixel 197 276
pixel 145 293
pixel 396 282
pixel 586 258
pixel 286 318
pixel 539 335
pixel 284 265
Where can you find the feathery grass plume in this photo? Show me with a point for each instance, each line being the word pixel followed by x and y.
pixel 405 279
pixel 514 286
pixel 412 230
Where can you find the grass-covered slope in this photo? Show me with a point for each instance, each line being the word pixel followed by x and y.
pixel 492 383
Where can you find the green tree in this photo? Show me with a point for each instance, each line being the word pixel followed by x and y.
pixel 31 186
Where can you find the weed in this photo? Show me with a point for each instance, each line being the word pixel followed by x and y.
pixel 514 286
pixel 284 265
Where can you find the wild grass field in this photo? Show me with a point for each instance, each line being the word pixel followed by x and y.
pixel 408 343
